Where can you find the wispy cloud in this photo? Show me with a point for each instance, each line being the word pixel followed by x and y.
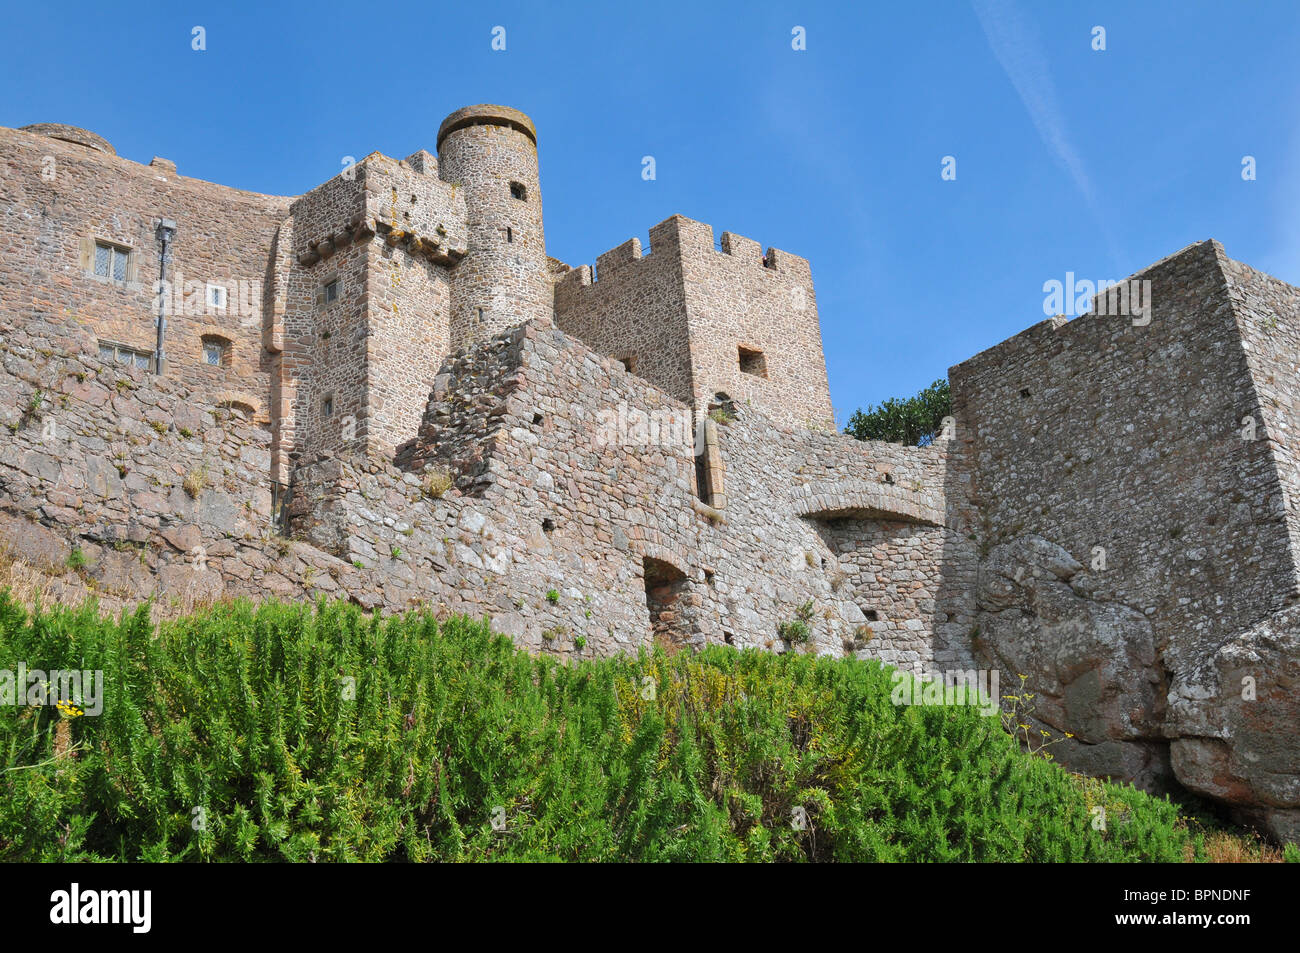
pixel 1015 43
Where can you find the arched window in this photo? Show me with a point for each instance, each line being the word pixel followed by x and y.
pixel 216 350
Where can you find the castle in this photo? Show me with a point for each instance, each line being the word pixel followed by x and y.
pixel 385 390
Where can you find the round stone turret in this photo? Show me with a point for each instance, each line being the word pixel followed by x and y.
pixel 82 137
pixel 491 153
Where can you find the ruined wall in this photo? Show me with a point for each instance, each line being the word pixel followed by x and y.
pixel 57 198
pixel 585 477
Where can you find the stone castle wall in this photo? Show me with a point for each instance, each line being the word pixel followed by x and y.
pixel 58 198
pixel 559 488
pixel 633 308
pixel 1114 515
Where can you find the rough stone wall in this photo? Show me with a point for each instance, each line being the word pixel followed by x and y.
pixel 896 569
pixel 740 298
pixel 1268 316
pixel 588 474
pixel 633 308
pixel 1097 432
pixel 1129 524
pixel 58 197
pixel 389 234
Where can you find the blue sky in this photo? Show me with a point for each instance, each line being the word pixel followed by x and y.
pixel 1067 159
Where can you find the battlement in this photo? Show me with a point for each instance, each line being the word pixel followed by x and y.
pixel 401 201
pixel 680 235
pixel 699 320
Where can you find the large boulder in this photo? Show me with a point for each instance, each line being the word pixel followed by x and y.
pixel 1234 722
pixel 1090 665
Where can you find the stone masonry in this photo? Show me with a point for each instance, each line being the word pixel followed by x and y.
pixel 394 396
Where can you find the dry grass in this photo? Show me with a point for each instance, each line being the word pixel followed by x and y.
pixel 1225 847
pixel 38 588
pixel 196 481
pixel 436 483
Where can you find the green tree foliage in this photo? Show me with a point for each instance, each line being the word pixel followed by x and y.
pixel 291 732
pixel 915 421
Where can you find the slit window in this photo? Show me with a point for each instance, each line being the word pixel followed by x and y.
pixel 753 362
pixel 327 406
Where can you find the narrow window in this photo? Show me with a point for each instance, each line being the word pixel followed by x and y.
pixel 753 362
pixel 708 466
pixel 702 476
pixel 332 291
pixel 327 406
pixel 510 234
pixel 217 297
pixel 517 191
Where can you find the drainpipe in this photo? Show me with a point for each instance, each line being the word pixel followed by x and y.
pixel 166 232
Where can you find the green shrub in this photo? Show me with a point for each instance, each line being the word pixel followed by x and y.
pixel 794 631
pixel 293 732
pixel 913 421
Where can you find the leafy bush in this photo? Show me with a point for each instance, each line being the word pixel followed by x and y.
pixel 292 732
pixel 915 421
